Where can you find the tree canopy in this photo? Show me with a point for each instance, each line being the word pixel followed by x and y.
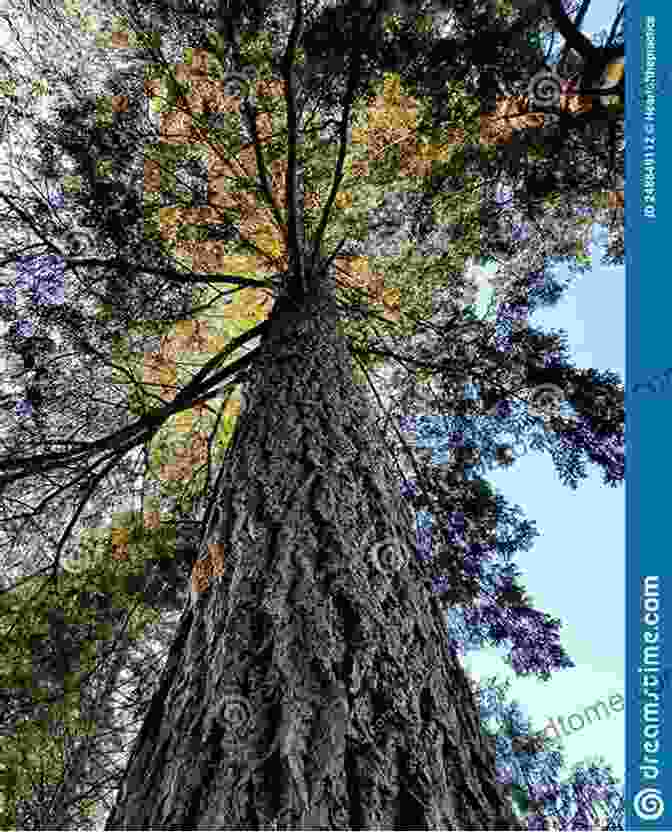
pixel 400 194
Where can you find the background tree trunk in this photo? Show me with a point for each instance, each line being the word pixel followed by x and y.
pixel 311 684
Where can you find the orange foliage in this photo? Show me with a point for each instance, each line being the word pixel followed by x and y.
pixel 186 458
pixel 256 219
pixel 615 199
pixel 512 113
pixel 211 566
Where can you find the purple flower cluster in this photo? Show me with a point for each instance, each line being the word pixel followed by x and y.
pixel 532 636
pixel 533 769
pixel 608 452
pixel 503 194
pixel 43 276
pixel 8 296
pixel 521 232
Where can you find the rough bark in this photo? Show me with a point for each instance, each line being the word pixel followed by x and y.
pixel 311 684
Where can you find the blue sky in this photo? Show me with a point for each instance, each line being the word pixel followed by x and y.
pixel 576 568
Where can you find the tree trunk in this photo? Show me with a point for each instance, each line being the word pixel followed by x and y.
pixel 310 684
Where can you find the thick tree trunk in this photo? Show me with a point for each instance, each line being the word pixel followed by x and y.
pixel 311 685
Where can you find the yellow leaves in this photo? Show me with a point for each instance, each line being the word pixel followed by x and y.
pixel 432 152
pixel 184 422
pixel 392 110
pixel 168 220
pixel 391 302
pixel 218 342
pixel 232 407
pixel 359 135
pixel 256 223
pixel 615 199
pixel 343 199
pixel 356 272
pixel 104 167
pixel 120 543
pixel 392 88
pixel 269 241
pixel 576 103
pixel 353 271
pixel 248 303
pixel 392 121
pixel 188 336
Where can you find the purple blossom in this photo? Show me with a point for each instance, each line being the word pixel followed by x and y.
pixel 537 772
pixel 25 328
pixel 440 584
pixel 423 543
pixel 408 488
pixel 520 232
pixel 56 198
pixel 43 275
pixel 407 424
pixel 8 296
pixel 457 520
pixel 531 637
pixel 503 409
pixel 511 312
pixel 536 279
pixel 503 341
pixel 544 791
pixel 471 563
pixel 503 194
pixel 23 408
pixel 581 820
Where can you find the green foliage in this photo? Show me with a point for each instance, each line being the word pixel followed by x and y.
pixel 50 641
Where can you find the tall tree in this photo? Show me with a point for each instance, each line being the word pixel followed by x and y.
pixel 289 526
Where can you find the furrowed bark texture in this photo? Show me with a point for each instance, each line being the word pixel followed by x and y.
pixel 311 685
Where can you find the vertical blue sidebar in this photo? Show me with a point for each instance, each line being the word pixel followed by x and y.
pixel 648 225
